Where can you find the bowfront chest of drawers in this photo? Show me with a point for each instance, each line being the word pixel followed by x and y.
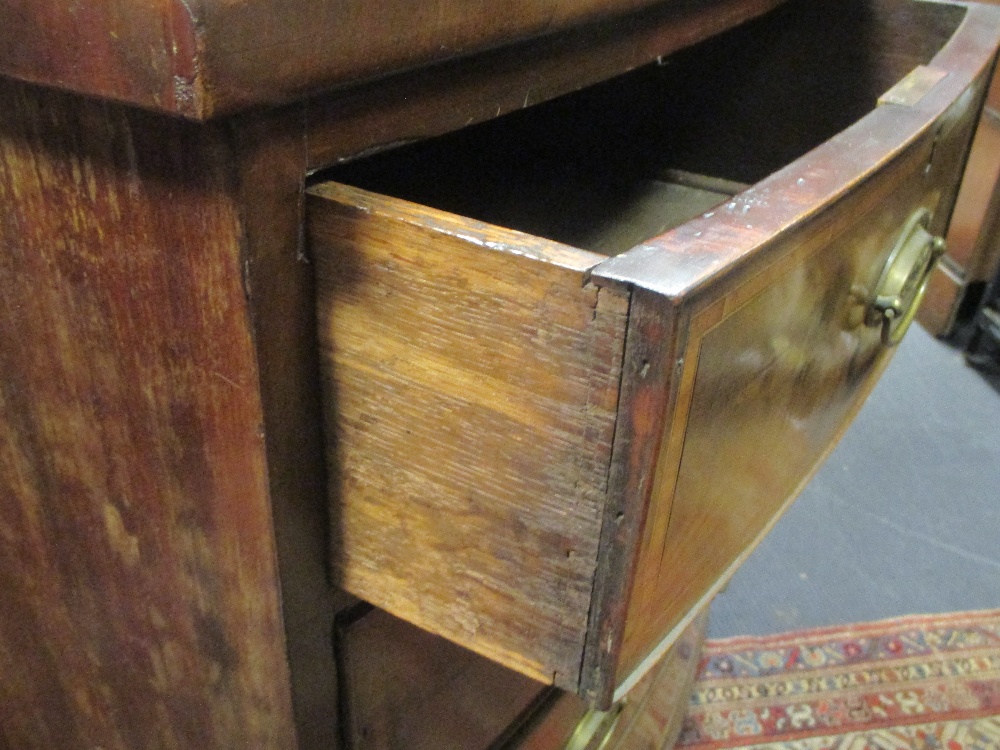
pixel 413 377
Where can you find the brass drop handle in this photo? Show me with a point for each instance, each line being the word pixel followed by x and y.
pixel 904 279
pixel 596 729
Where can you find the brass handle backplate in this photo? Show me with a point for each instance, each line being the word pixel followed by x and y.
pixel 904 279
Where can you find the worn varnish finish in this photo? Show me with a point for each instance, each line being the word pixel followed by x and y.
pixel 405 689
pixel 471 377
pixel 203 59
pixel 654 709
pixel 649 390
pixel 140 599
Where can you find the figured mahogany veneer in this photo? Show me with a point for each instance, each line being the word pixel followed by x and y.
pixel 554 459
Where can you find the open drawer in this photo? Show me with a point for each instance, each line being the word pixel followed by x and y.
pixel 577 360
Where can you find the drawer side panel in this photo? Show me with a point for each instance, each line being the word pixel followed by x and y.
pixel 470 396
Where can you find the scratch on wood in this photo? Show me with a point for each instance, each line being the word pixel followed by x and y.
pixel 220 376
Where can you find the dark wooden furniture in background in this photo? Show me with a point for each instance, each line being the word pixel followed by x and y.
pixel 167 510
pixel 983 348
pixel 973 237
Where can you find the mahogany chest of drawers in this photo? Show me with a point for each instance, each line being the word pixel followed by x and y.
pixel 521 323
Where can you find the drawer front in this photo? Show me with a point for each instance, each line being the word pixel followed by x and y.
pixel 773 358
pixel 772 373
pixel 554 458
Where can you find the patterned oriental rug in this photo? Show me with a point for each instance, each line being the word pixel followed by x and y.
pixel 915 683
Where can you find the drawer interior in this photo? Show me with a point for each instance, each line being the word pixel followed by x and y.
pixel 608 167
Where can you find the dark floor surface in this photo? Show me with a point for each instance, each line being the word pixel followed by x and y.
pixel 903 518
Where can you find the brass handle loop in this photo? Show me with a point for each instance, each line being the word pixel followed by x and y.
pixel 904 279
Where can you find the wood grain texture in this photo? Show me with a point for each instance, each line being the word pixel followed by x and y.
pixel 269 160
pixel 978 203
pixel 405 689
pixel 140 594
pixel 157 275
pixel 211 57
pixel 778 361
pixel 471 382
pixel 144 53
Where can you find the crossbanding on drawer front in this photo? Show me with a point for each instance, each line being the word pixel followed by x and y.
pixel 554 458
pixel 775 362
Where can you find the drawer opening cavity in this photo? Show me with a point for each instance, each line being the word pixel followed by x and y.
pixel 609 167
